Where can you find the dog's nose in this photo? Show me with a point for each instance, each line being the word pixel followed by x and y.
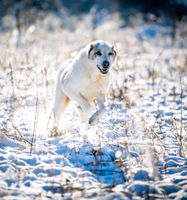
pixel 106 64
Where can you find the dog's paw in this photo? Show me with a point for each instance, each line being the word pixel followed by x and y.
pixel 58 132
pixel 53 132
pixel 92 121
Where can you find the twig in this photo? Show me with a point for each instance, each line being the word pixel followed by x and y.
pixel 181 120
pixel 13 91
pixel 13 136
pixel 35 120
pixel 153 72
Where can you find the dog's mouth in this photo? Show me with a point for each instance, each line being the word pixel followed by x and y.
pixel 103 71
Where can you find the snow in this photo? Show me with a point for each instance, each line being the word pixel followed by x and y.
pixel 79 165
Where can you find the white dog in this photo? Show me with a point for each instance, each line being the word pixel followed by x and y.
pixel 84 79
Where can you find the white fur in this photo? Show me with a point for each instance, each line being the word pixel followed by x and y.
pixel 83 79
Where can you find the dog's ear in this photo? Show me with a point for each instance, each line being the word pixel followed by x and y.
pixel 115 52
pixel 89 51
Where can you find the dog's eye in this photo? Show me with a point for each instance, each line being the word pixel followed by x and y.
pixel 111 54
pixel 98 53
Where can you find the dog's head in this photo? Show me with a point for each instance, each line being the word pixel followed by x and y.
pixel 102 54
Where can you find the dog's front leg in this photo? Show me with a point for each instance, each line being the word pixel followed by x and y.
pixel 100 110
pixel 84 109
pixel 83 105
pixel 84 112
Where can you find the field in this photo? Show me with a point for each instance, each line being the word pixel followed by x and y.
pixel 136 151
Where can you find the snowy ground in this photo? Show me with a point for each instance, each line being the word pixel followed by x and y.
pixel 136 151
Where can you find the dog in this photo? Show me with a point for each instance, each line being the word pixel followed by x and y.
pixel 85 79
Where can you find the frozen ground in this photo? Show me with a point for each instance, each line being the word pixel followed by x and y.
pixel 136 151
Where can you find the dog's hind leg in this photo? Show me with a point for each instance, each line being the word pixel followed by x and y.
pixel 60 104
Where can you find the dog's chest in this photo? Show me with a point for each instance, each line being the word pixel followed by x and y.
pixel 99 80
pixel 98 86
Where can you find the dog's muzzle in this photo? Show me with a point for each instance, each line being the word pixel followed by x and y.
pixel 105 67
